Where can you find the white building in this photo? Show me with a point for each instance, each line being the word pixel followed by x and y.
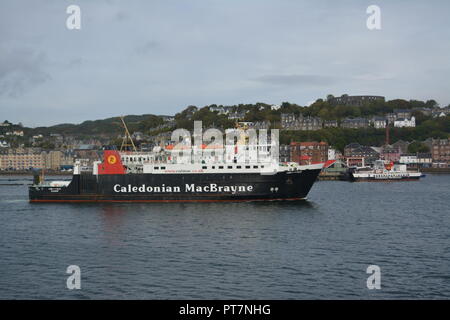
pixel 379 122
pixel 416 159
pixel 275 107
pixel 438 114
pixel 404 122
pixel 331 154
pixel 15 133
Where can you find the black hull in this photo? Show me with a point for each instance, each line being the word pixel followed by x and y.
pixel 203 187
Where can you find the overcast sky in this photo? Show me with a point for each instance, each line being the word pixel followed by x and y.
pixel 136 57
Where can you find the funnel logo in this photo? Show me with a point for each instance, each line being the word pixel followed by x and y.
pixel 112 159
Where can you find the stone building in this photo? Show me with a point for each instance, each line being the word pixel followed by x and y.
pixel 21 159
pixel 379 122
pixel 290 121
pixel 353 100
pixel 285 153
pixel 330 124
pixel 355 123
pixel 366 153
pixel 440 150
pixel 309 152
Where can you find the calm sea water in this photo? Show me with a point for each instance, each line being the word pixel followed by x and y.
pixel 319 248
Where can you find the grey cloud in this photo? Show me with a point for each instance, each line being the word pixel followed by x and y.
pixel 297 79
pixel 121 16
pixel 147 47
pixel 76 62
pixel 159 56
pixel 20 71
pixel 374 76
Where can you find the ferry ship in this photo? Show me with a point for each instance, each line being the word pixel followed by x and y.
pixel 131 177
pixel 382 171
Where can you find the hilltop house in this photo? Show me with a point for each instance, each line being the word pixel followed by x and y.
pixel 353 100
pixel 379 122
pixel 330 124
pixel 355 123
pixel 238 115
pixel 405 122
pixel 291 122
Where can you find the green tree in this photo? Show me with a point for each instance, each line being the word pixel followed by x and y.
pixel 417 146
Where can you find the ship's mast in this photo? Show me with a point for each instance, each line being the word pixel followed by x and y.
pixel 126 137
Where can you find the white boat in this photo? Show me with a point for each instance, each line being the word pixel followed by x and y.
pixel 383 171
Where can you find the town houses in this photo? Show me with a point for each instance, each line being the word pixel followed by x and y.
pixel 328 129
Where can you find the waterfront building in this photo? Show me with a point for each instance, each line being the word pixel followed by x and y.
pixel 285 153
pixel 355 161
pixel 309 152
pixel 440 150
pixel 21 159
pixel 357 151
pixel 389 153
pixel 416 159
pixel 86 151
pixel 52 159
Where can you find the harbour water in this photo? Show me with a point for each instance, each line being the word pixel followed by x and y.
pixel 315 249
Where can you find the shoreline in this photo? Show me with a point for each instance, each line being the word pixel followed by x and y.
pixel 29 173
